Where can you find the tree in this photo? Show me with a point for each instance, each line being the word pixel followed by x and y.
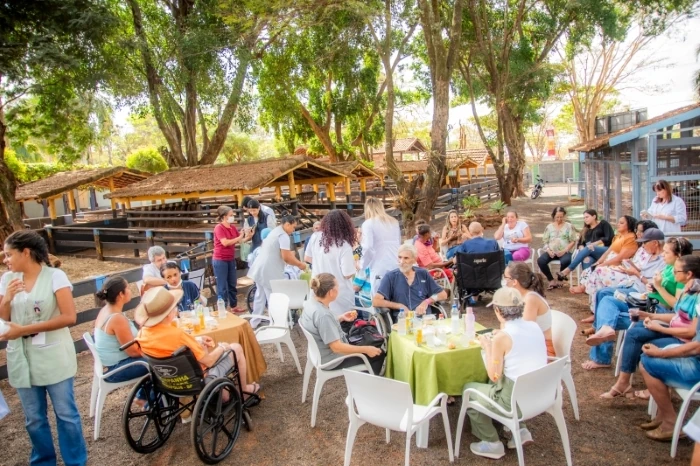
pixel 441 23
pixel 49 51
pixel 239 147
pixel 602 66
pixel 318 84
pixel 147 160
pixel 697 75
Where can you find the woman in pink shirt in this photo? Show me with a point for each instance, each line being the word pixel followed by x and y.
pixel 224 260
pixel 427 258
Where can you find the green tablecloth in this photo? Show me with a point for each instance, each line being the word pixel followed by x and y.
pixel 430 371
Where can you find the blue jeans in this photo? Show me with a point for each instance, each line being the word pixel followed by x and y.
pixel 128 373
pixel 70 429
pixel 674 372
pixel 452 252
pixel 613 313
pixel 226 281
pixel 635 338
pixel 582 254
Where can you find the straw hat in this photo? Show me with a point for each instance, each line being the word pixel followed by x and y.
pixel 155 306
pixel 506 297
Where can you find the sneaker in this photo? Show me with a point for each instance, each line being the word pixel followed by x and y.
pixel 493 450
pixel 472 301
pixel 525 437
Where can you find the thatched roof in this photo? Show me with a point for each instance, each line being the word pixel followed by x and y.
pixel 650 125
pixel 67 181
pixel 356 169
pixel 403 145
pixel 420 166
pixel 457 157
pixel 244 176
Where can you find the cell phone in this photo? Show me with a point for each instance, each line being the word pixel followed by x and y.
pixel 485 331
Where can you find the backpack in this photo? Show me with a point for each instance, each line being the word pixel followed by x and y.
pixel 363 333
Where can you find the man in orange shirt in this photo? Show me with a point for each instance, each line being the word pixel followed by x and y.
pixel 427 257
pixel 158 338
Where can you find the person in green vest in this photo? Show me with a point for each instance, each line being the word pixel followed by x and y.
pixel 36 300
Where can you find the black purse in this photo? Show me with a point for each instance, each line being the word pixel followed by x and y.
pixel 648 304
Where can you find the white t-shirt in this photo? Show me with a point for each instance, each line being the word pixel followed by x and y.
pixel 517 232
pixel 339 262
pixel 150 270
pixel 676 208
pixel 380 247
pixel 285 243
pixel 59 280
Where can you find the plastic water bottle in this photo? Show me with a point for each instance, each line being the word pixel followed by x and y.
pixel 455 318
pixel 402 322
pixel 469 320
pixel 221 308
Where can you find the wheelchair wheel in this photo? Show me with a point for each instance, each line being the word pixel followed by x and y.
pixel 215 424
pixel 250 297
pixel 146 429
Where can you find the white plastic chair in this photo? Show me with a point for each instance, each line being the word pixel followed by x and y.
pixel 197 277
pixel 618 348
pixel 563 331
pixel 139 286
pixel 278 332
pixel 324 372
pixel 687 396
pixel 534 393
pixel 296 290
pixel 102 388
pixel 389 404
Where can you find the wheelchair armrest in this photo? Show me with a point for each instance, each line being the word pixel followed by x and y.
pixel 179 351
pixel 128 344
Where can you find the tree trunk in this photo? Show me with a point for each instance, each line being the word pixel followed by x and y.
pixel 514 140
pixel 10 211
pixel 321 133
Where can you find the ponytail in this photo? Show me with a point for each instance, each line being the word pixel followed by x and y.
pixel 521 272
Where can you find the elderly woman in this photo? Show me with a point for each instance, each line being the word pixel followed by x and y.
pixel 516 349
pixel 453 234
pixel 516 238
pixel 324 326
pixel 226 238
pixel 662 329
pixel 559 239
pixel 623 247
pixel 428 258
pixel 613 314
pixel 332 254
pixel 667 210
pixel 37 302
pixel 594 240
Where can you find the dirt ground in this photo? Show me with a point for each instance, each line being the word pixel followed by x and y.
pixel 607 433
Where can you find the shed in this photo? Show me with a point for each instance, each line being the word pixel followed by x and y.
pixel 619 169
pixel 54 186
pixel 401 147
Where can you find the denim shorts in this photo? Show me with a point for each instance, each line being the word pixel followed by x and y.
pixel 674 372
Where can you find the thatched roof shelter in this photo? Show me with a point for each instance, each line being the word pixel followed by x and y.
pixel 476 158
pixel 356 169
pixel 56 185
pixel 237 179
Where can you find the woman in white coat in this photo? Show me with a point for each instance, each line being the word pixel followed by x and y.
pixel 381 238
pixel 667 211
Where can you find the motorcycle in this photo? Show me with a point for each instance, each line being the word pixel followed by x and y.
pixel 537 190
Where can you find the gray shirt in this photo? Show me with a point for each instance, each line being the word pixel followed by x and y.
pixel 323 325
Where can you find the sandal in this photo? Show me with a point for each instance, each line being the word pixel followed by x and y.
pixel 238 310
pixel 651 425
pixel 642 394
pixel 615 393
pixel 561 277
pixel 554 286
pixel 247 395
pixel 595 340
pixel 663 435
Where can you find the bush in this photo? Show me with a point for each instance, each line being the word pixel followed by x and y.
pixel 16 166
pixel 146 160
pixel 471 202
pixel 498 207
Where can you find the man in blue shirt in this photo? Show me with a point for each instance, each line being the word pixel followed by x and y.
pixel 675 366
pixel 408 287
pixel 477 244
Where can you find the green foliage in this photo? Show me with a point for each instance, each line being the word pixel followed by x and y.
pixel 368 163
pixel 147 160
pixel 38 171
pixel 467 214
pixel 471 202
pixel 239 147
pixel 16 166
pixel 498 207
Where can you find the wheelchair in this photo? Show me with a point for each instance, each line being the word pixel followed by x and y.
pixel 478 273
pixel 177 384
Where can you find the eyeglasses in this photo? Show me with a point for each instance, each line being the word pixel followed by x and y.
pixel 507 277
pixel 679 271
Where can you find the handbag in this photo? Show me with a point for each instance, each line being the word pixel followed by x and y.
pixel 647 304
pixel 363 333
pixel 245 250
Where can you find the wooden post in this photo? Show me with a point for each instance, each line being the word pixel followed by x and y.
pixel 149 238
pixel 98 244
pixel 127 203
pixel 410 177
pixel 469 174
pixel 292 186
pixel 363 189
pixel 315 186
pixel 52 210
pixel 331 194
pixel 71 203
pixel 278 192
pixel 295 207
pixel 49 235
pixel 112 202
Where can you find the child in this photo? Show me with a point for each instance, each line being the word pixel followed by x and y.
pixel 171 274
